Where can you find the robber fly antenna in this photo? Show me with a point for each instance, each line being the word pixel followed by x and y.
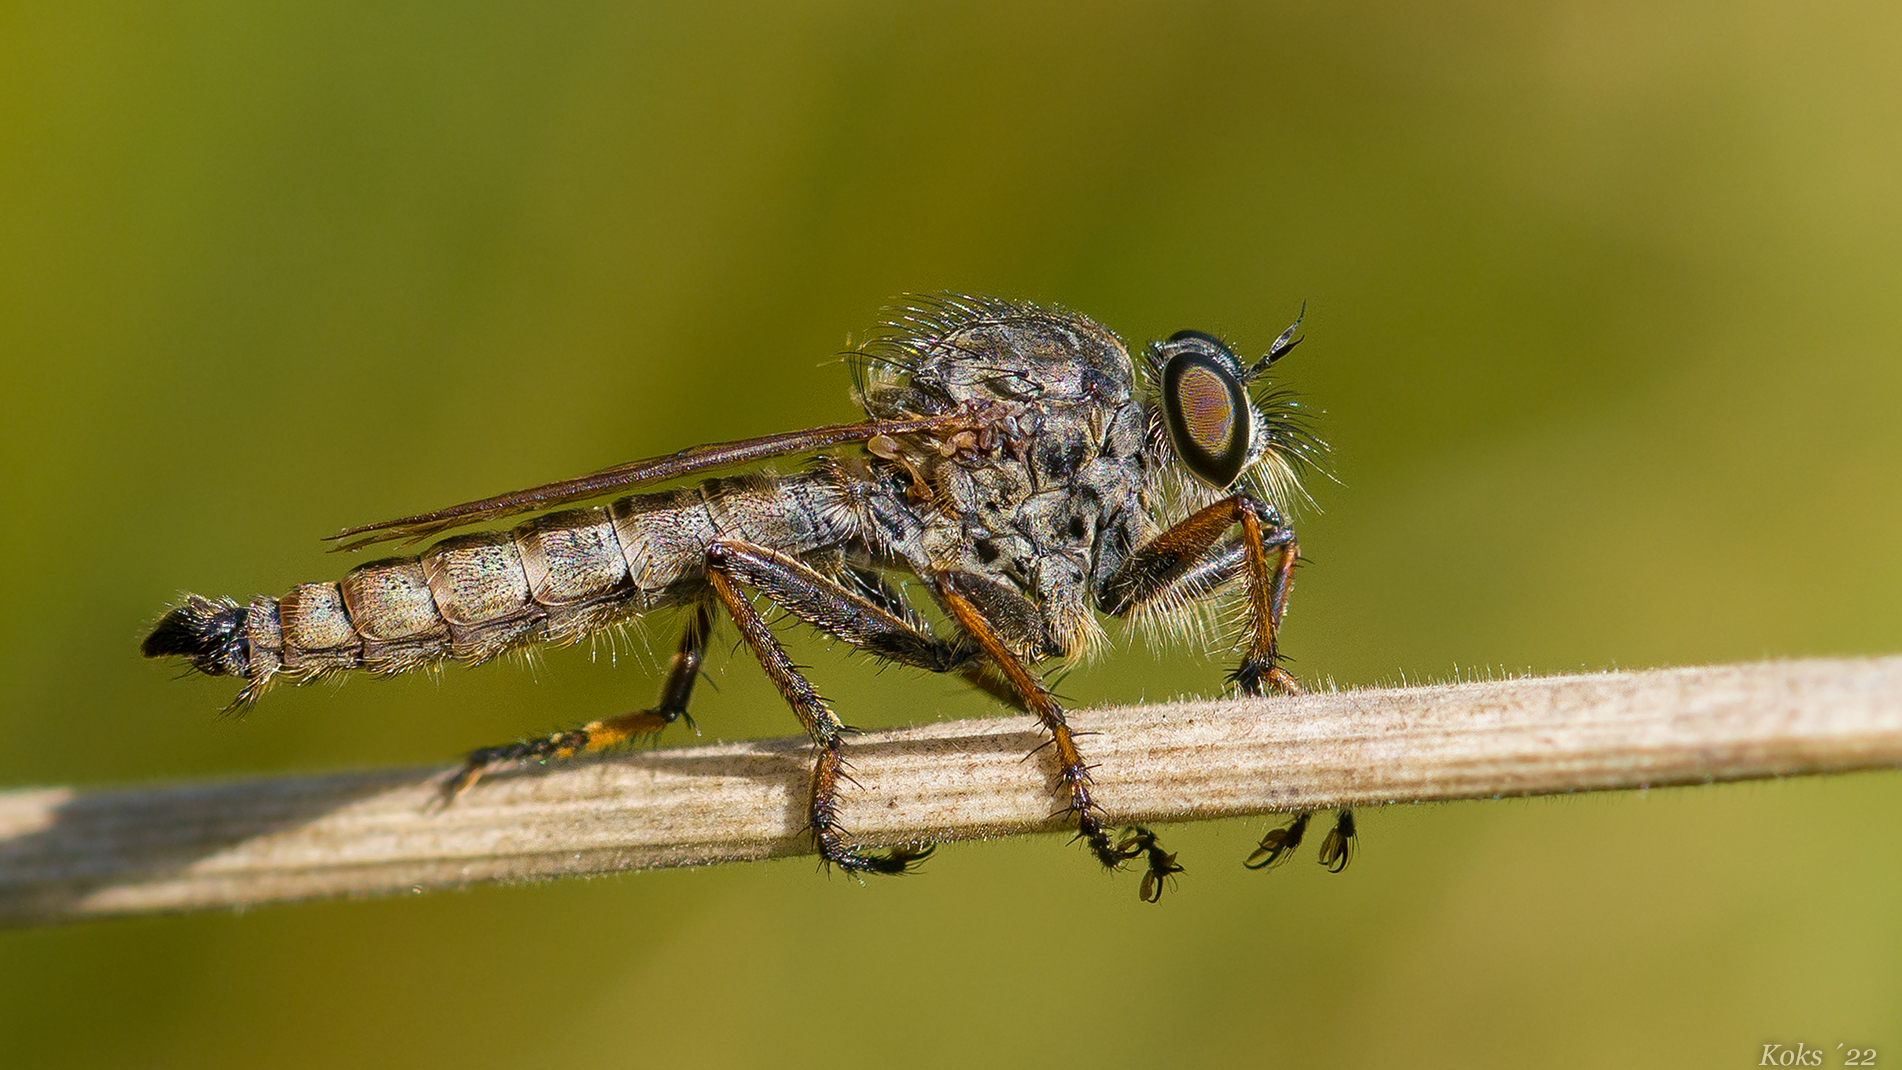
pixel 1282 345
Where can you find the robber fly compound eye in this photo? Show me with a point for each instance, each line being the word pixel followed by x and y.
pixel 1206 408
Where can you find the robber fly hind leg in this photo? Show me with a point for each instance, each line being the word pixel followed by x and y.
pixel 682 671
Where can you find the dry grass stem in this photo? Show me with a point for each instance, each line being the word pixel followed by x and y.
pixel 67 854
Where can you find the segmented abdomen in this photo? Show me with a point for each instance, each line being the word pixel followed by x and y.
pixel 554 579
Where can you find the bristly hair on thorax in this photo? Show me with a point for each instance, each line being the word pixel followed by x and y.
pixel 917 323
pixel 1287 446
pixel 1284 447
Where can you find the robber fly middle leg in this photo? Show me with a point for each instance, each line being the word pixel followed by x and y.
pixel 962 595
pixel 977 671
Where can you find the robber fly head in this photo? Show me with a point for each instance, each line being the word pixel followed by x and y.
pixel 1217 429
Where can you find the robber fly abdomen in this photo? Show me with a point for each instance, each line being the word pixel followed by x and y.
pixel 1016 464
pixel 555 579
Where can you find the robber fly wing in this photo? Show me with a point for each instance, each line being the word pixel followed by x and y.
pixel 714 455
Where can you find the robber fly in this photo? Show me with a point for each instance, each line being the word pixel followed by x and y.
pixel 1015 464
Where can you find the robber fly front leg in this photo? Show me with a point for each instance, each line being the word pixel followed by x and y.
pixel 682 671
pixel 1196 555
pixel 844 614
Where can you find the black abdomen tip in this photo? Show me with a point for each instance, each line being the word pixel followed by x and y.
pixel 209 631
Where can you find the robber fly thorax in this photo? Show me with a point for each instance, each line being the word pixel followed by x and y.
pixel 1015 463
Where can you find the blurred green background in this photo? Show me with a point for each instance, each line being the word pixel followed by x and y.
pixel 1603 310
